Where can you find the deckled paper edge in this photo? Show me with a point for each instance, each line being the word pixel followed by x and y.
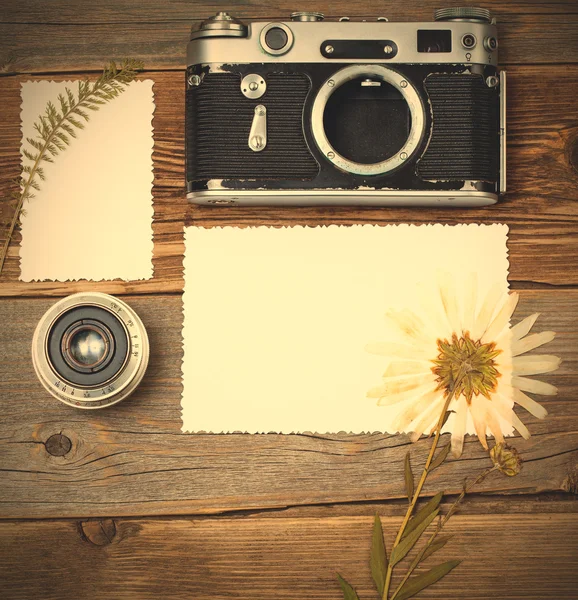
pixel 502 226
pixel 71 83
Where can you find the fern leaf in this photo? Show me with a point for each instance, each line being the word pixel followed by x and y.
pixel 55 128
pixel 62 137
pixel 68 129
pixel 29 155
pixel 71 99
pixel 63 104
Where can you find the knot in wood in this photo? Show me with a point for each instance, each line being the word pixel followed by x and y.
pixel 99 533
pixel 58 445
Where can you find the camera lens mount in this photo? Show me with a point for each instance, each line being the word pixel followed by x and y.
pixel 90 350
pixel 371 74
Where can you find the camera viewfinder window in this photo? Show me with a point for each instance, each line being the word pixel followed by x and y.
pixel 434 40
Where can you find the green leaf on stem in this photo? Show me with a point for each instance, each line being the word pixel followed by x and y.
pixel 436 545
pixel 422 514
pixel 408 478
pixel 414 585
pixel 348 592
pixel 378 560
pixel 446 417
pixel 440 458
pixel 409 541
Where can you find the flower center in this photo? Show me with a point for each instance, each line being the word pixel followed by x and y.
pixel 468 365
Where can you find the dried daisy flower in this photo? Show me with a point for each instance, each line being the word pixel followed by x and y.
pixel 463 346
pixel 506 459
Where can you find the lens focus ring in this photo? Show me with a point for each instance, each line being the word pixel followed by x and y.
pixel 90 350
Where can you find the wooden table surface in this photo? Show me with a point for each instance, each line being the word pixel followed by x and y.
pixel 119 504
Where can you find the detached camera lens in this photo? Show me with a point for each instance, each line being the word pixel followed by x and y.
pixel 90 350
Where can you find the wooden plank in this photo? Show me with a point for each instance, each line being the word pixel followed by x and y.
pixel 131 459
pixel 112 11
pixel 534 557
pixel 541 209
pixel 58 36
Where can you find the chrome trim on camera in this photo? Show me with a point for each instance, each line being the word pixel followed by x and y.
pixel 309 38
pixel 404 87
pixel 502 184
pixel 358 197
pixel 258 134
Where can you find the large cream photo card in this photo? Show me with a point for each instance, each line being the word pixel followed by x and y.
pixel 292 329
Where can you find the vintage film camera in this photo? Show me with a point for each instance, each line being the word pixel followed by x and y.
pixel 311 112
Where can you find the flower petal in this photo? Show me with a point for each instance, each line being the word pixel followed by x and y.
pixel 416 409
pixel 403 383
pixel 520 426
pixel 407 367
pixel 430 302
pixel 408 322
pixel 534 386
pixel 493 297
pixel 415 393
pixel 427 419
pixel 394 350
pixel 532 341
pixel 470 302
pixel 448 298
pixel 502 319
pixel 493 423
pixel 504 407
pixel 519 330
pixel 535 364
pixel 459 427
pixel 478 416
pixel 533 407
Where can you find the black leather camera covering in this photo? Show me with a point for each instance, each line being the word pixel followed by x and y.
pixel 461 141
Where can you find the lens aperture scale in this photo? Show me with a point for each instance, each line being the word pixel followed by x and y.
pixel 55 345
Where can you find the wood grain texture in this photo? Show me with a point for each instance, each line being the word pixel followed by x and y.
pixel 69 36
pixel 541 208
pixel 508 557
pixel 131 459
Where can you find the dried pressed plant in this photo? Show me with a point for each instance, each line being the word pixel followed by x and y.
pixel 58 125
pixel 459 362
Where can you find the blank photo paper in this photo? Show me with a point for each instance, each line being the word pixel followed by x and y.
pixel 92 218
pixel 281 324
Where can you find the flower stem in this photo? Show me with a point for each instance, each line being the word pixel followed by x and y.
pixel 422 480
pixel 440 526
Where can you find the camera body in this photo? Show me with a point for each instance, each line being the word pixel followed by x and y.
pixel 313 112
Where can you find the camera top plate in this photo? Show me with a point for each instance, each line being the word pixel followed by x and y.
pixel 459 39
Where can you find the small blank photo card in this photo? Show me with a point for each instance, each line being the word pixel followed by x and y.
pixel 92 218
pixel 277 321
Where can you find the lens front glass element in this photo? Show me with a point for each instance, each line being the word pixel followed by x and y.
pixel 87 347
pixel 367 120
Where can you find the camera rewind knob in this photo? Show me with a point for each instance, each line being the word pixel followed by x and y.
pixel 307 16
pixel 220 25
pixel 463 13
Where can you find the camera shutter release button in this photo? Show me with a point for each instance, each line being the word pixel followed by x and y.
pixel 276 38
